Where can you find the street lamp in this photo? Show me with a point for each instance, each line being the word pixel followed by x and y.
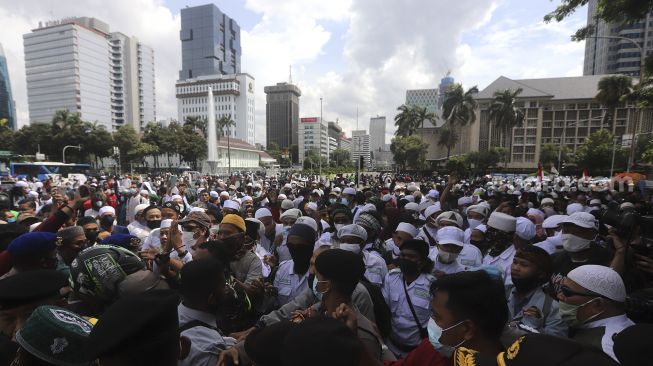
pixel 63 153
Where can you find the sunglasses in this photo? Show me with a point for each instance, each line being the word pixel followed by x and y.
pixel 567 292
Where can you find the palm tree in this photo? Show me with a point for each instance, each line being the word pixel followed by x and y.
pixel 422 115
pixel 199 123
pixel 459 107
pixel 505 113
pixel 448 138
pixel 405 120
pixel 611 90
pixel 226 122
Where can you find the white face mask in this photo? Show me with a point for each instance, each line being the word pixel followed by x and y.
pixel 354 248
pixel 187 238
pixel 473 223
pixel 338 226
pixel 573 244
pixel 446 257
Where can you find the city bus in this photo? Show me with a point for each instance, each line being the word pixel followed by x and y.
pixel 41 170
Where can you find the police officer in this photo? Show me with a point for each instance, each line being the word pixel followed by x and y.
pixel 291 276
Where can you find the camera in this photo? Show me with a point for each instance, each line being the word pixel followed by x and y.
pixel 624 221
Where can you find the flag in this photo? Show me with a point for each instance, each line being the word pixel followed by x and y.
pixel 540 175
pixel 586 175
pixel 554 171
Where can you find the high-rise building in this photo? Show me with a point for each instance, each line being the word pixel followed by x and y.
pixel 445 82
pixel 344 142
pixel 7 105
pixel 210 42
pixel 360 146
pixel 233 95
pixel 77 64
pixel 425 98
pixel 614 55
pixel 282 114
pixel 313 135
pixel 377 133
pixel 334 135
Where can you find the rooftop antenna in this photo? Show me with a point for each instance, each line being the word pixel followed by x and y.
pixel 290 75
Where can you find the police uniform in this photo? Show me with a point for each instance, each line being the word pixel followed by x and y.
pixel 503 261
pixel 288 283
pixel 375 268
pixel 405 331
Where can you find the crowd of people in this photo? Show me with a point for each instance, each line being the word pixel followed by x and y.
pixel 271 270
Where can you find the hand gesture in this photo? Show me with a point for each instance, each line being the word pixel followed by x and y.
pixel 228 357
pixel 347 315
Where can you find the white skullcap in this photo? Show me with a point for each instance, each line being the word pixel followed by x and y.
pixel 350 191
pixel 466 200
pixel 287 204
pixel 626 205
pixel 337 190
pixel 196 209
pixel 292 213
pixel 38 184
pixel 312 206
pixel 503 222
pixel 534 212
pixel 231 204
pixel 246 199
pixel 144 192
pixel 166 223
pixel 387 198
pixel 368 208
pixel 298 201
pixel 352 230
pixel 452 217
pixel 582 219
pixel 433 193
pixel 573 208
pixel 411 187
pixel 595 202
pixel 33 194
pixel 262 212
pixel 317 191
pixel 410 198
pixel 552 222
pixel 22 184
pixel 224 193
pixel 547 201
pixel 525 228
pixel 553 195
pixel 306 220
pixel 479 209
pixel 482 228
pixel 450 235
pixel 107 209
pixel 257 185
pixel 424 205
pixel 214 194
pixel 287 185
pixel 411 206
pixel 434 208
pixel 176 197
pixel 407 228
pixel 140 208
pixel 282 197
pixel 601 280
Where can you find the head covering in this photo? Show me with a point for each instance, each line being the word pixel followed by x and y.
pixel 411 206
pixel 583 219
pixel 386 198
pixel 166 223
pixel 352 230
pixel 420 246
pixel 369 221
pixel 407 228
pixel 224 194
pixel 450 235
pixel 30 286
pixel 107 210
pixel 433 193
pixel 409 198
pixel 479 209
pixel 601 280
pixel 127 241
pixel 231 204
pixel 56 336
pixel 293 213
pixel 552 222
pixel 502 222
pixel 282 197
pixel 140 208
pixel 262 212
pixel 214 194
pixel 32 245
pixel 306 220
pixel 524 228
pixel 68 233
pixel 199 218
pixel 287 204
pixel 234 220
pixel 538 256
pixel 172 205
pixel 547 201
pixel 451 217
pixel 434 208
pixel 482 228
pixel 311 206
pixel 573 208
pixel 350 191
pixel 304 231
pixel 626 205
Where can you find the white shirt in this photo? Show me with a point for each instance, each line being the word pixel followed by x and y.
pixel 503 261
pixel 469 257
pixel 139 230
pixel 612 326
pixel 357 212
pixel 448 268
pixel 289 283
pixel 261 253
pixel 375 268
pixel 431 231
pixel 550 244
pixel 206 343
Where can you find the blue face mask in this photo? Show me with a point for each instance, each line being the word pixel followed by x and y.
pixel 13 219
pixel 332 200
pixel 435 332
pixel 344 201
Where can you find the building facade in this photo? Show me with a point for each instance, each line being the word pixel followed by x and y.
pixel 377 133
pixel 313 136
pixel 233 95
pixel 282 115
pixel 210 43
pixel 77 64
pixel 616 56
pixel 7 104
pixel 425 98
pixel 445 83
pixel 360 147
pixel 334 136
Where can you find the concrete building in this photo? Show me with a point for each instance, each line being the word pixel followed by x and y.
pixel 377 133
pixel 233 95
pixel 7 104
pixel 445 82
pixel 425 98
pixel 616 56
pixel 78 65
pixel 360 146
pixel 282 114
pixel 313 135
pixel 334 136
pixel 210 42
pixel 344 142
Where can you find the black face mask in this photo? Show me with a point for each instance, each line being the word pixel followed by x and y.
pixel 301 256
pixel 497 242
pixel 91 236
pixel 106 221
pixel 230 245
pixel 524 285
pixel 154 224
pixel 407 267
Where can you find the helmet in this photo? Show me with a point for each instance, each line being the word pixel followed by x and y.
pixel 5 201
pixel 97 271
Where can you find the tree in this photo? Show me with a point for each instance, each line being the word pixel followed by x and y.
pixel 68 129
pixel 422 115
pixel 98 141
pixel 409 151
pixel 226 122
pixel 154 135
pixel 595 153
pixel 458 165
pixel 127 141
pixel 612 90
pixel 341 157
pixel 198 123
pixel 549 154
pixel 503 154
pixel 448 138
pixel 170 140
pixel 482 161
pixel 28 139
pixel 6 135
pixel 459 106
pixel 192 146
pixel 505 113
pixel 405 121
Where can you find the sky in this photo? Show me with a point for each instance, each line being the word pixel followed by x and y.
pixel 359 56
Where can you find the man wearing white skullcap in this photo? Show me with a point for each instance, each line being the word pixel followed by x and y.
pixel 553 242
pixel 138 227
pixel 142 197
pixel 404 231
pixel 352 238
pixel 476 215
pixel 430 229
pixel 230 207
pixel 450 245
pixel 500 232
pixel 592 299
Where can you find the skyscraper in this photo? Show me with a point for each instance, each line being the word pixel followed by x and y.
pixel 313 135
pixel 445 82
pixel 7 105
pixel 425 98
pixel 360 146
pixel 616 56
pixel 377 133
pixel 210 42
pixel 76 64
pixel 282 114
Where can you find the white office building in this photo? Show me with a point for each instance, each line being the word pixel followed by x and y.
pixel 233 95
pixel 425 98
pixel 377 133
pixel 360 146
pixel 76 64
pixel 313 134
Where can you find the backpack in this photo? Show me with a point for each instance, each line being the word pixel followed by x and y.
pixel 382 312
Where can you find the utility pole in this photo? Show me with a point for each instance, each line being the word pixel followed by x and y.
pixel 319 153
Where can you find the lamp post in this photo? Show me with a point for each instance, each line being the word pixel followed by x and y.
pixel 63 153
pixel 319 152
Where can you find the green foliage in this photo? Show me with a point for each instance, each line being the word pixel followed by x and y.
pixel 412 117
pixel 595 153
pixel 458 165
pixel 448 138
pixel 549 154
pixel 481 162
pixel 6 135
pixel 192 145
pixel 459 106
pixel 409 152
pixel 505 113
pixel 313 160
pixel 341 157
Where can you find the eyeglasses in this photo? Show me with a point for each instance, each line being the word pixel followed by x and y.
pixel 567 292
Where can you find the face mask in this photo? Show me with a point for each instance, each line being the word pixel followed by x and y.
pixel 13 219
pixel 435 332
pixel 187 238
pixel 524 285
pixel 573 244
pixel 569 313
pixel 319 295
pixel 301 256
pixel 407 267
pixel 181 207
pixel 354 248
pixel 473 223
pixel 106 221
pixel 91 236
pixel 440 331
pixel 332 200
pixel 338 226
pixel 257 194
pixel 153 224
pixel 99 203
pixel 344 201
pixel 446 257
